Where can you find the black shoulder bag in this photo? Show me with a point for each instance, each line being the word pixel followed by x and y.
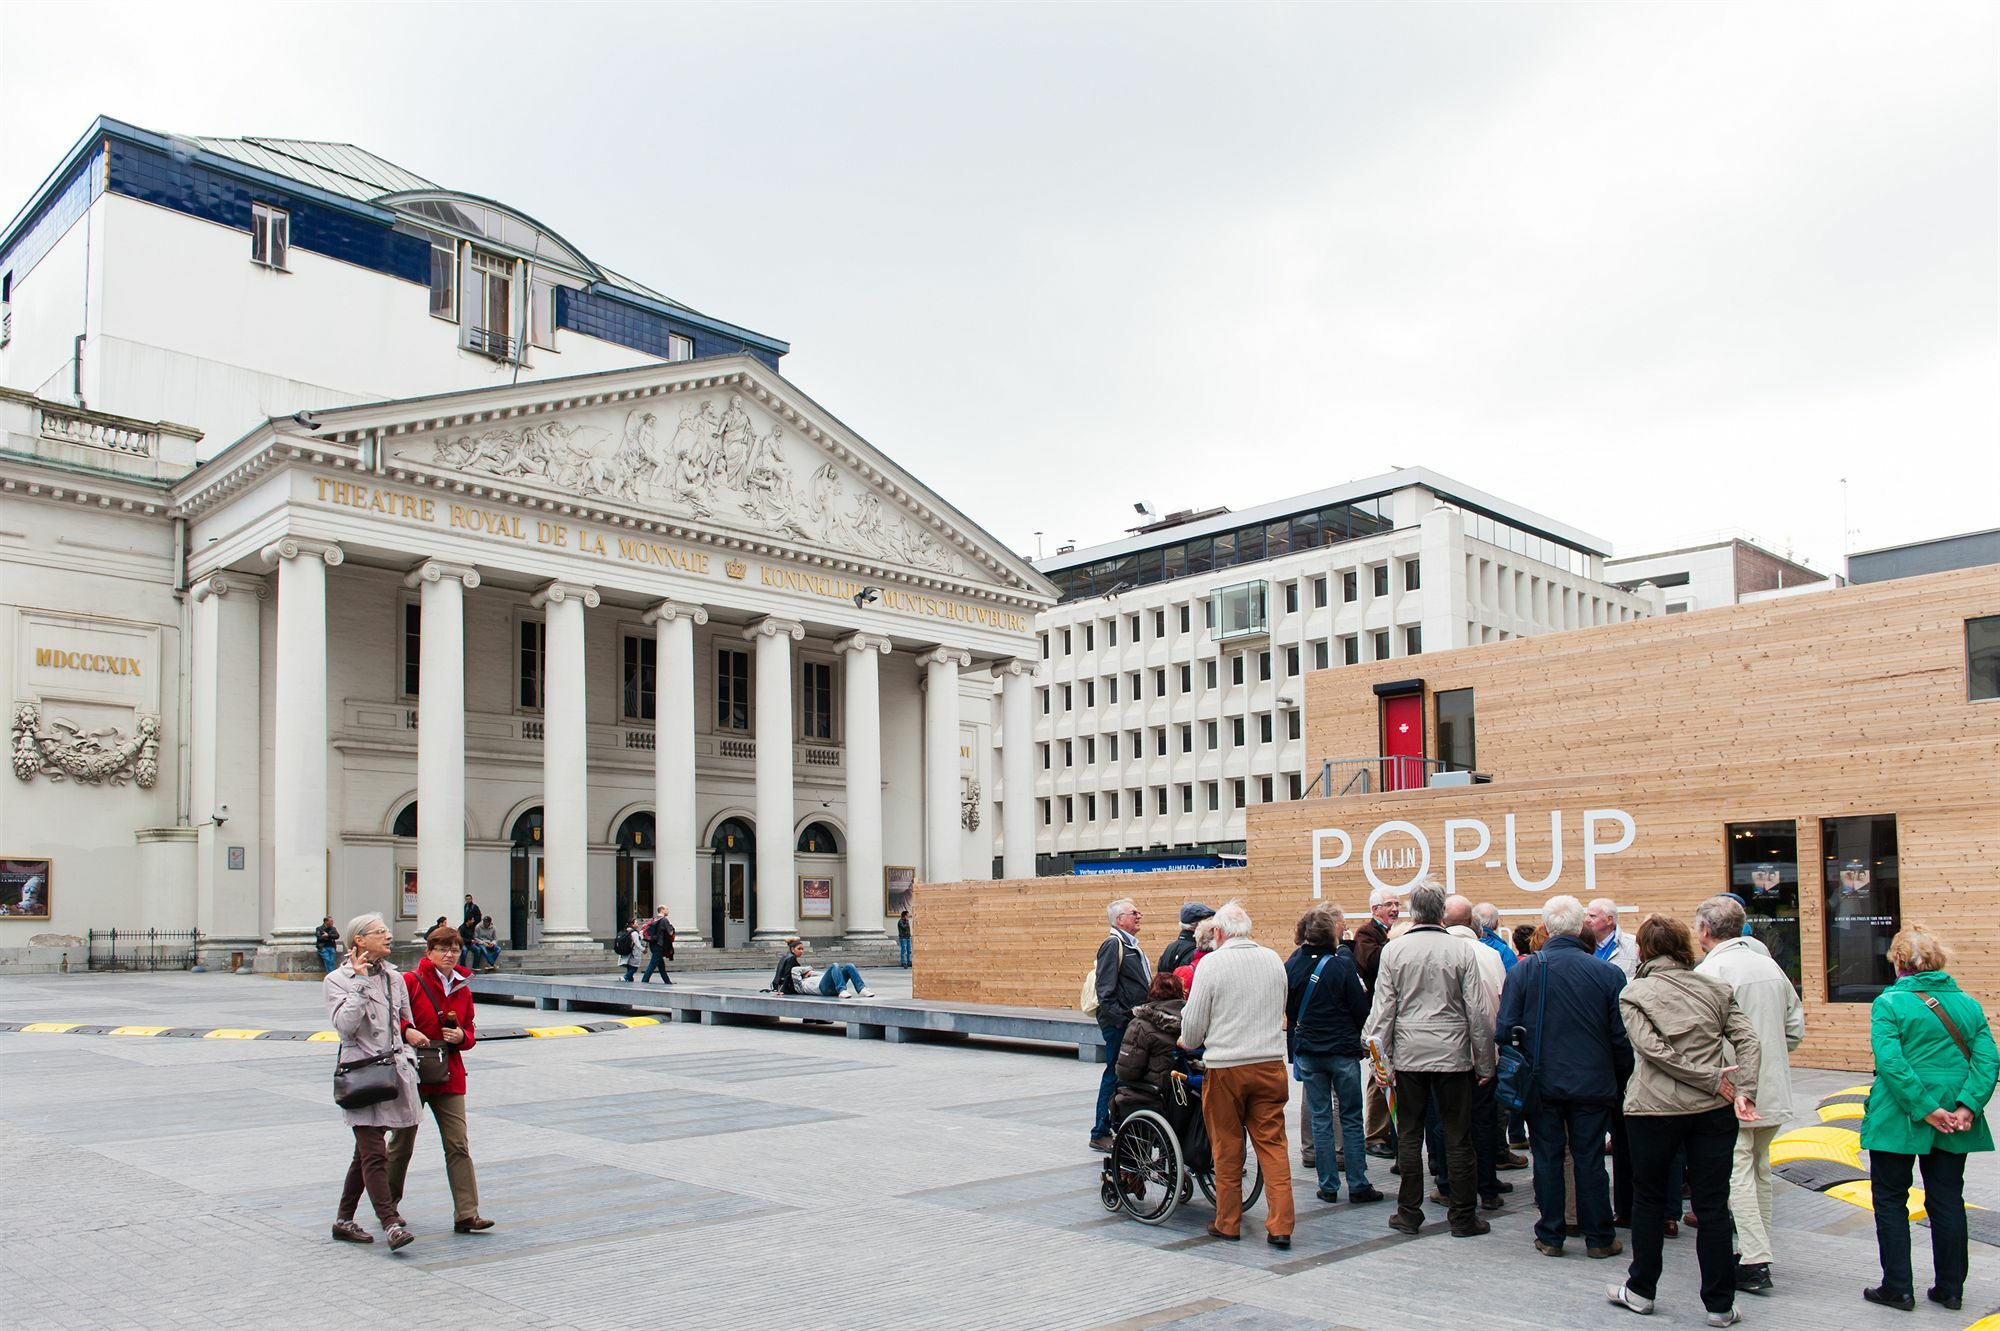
pixel 1516 1086
pixel 360 1082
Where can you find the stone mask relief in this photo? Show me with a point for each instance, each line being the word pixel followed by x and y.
pixel 712 464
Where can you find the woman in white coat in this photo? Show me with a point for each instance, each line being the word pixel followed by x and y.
pixel 370 1011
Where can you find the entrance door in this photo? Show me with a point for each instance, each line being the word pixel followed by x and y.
pixel 1403 741
pixel 732 900
pixel 524 914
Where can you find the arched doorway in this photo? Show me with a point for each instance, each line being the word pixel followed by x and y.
pixel 635 868
pixel 404 829
pixel 524 913
pixel 732 884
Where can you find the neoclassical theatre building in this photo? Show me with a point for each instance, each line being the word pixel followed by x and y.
pixel 477 568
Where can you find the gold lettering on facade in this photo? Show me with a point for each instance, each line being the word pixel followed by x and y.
pixel 56 658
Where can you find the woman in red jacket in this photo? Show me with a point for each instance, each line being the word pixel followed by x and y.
pixel 441 1007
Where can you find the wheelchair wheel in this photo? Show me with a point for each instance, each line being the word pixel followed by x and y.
pixel 1253 1181
pixel 1107 1193
pixel 1146 1167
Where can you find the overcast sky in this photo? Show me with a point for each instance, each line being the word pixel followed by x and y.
pixel 1654 270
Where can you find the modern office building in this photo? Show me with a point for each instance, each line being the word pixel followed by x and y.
pixel 1914 559
pixel 1728 571
pixel 1173 697
pixel 469 568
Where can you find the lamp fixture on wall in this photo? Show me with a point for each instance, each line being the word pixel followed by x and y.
pixel 220 816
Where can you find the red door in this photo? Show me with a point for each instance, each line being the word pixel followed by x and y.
pixel 1403 742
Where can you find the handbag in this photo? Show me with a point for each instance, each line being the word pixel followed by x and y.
pixel 360 1082
pixel 1517 1084
pixel 434 1060
pixel 1950 1026
pixel 1305 1003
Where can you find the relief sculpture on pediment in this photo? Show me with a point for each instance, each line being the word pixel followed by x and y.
pixel 715 464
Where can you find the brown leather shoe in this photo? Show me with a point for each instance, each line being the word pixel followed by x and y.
pixel 473 1225
pixel 1548 1249
pixel 1612 1249
pixel 1215 1233
pixel 399 1237
pixel 349 1232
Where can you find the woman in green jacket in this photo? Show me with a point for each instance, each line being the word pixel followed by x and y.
pixel 1935 1065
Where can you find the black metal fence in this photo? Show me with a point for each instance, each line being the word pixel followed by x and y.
pixel 143 949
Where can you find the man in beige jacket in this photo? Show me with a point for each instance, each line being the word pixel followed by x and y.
pixel 1767 998
pixel 1236 1016
pixel 1433 1019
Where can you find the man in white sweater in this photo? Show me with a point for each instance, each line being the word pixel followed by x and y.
pixel 1236 1016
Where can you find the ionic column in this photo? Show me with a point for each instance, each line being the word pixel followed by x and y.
pixel 298 800
pixel 1017 769
pixel 441 737
pixel 942 810
pixel 224 780
pixel 565 769
pixel 777 905
pixel 673 765
pixel 862 653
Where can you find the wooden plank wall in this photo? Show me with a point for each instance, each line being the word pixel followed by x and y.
pixel 1824 705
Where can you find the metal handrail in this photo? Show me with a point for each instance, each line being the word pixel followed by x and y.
pixel 1362 775
pixel 490 343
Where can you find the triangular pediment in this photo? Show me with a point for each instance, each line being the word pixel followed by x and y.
pixel 737 451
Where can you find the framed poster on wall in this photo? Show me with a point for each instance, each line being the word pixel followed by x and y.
pixel 899 885
pixel 406 907
pixel 24 889
pixel 815 898
pixel 1764 871
pixel 1863 894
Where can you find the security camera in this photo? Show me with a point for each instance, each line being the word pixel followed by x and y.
pixel 1144 509
pixel 220 816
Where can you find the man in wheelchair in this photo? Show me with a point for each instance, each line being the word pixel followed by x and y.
pixel 1147 1057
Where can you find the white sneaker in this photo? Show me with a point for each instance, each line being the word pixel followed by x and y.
pixel 1730 1318
pixel 866 993
pixel 1625 1298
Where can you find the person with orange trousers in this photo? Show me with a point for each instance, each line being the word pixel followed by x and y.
pixel 1236 1016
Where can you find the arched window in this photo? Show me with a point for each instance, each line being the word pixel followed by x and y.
pixel 406 821
pixel 527 831
pixel 819 839
pixel 635 835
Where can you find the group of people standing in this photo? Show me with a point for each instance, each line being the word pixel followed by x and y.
pixel 1665 1050
pixel 426 1012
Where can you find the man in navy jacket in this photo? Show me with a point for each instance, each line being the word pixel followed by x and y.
pixel 1563 1002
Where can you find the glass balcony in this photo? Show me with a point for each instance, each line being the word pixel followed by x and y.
pixel 1242 610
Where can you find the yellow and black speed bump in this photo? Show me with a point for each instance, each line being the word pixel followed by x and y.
pixel 311 1037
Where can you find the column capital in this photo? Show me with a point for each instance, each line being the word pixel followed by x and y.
pixel 864 643
pixel 1019 666
pixel 770 626
pixel 555 593
pixel 293 547
pixel 942 655
pixel 223 583
pixel 668 611
pixel 436 570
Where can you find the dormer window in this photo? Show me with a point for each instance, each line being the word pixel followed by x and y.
pixel 679 348
pixel 270 236
pixel 489 306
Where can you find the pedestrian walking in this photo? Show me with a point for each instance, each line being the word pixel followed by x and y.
pixel 1120 979
pixel 1181 951
pixel 629 946
pixel 1767 998
pixel 903 940
pixel 440 998
pixel 1934 1068
pixel 326 940
pixel 1560 1006
pixel 1384 908
pixel 659 946
pixel 1325 1008
pixel 1686 1097
pixel 370 1011
pixel 1434 1024
pixel 1236 1017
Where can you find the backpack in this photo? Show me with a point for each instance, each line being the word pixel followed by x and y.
pixel 1088 1003
pixel 622 944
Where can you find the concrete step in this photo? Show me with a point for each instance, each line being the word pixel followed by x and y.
pixel 864 953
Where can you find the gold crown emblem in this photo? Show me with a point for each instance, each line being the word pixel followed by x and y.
pixel 735 568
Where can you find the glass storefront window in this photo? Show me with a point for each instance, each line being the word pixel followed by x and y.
pixel 1862 887
pixel 1764 871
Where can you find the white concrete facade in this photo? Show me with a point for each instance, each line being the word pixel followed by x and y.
pixel 274 598
pixel 1152 735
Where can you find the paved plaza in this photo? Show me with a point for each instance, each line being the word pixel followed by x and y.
pixel 722 1177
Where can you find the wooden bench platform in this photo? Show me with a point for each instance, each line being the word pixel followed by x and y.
pixel 891 1019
